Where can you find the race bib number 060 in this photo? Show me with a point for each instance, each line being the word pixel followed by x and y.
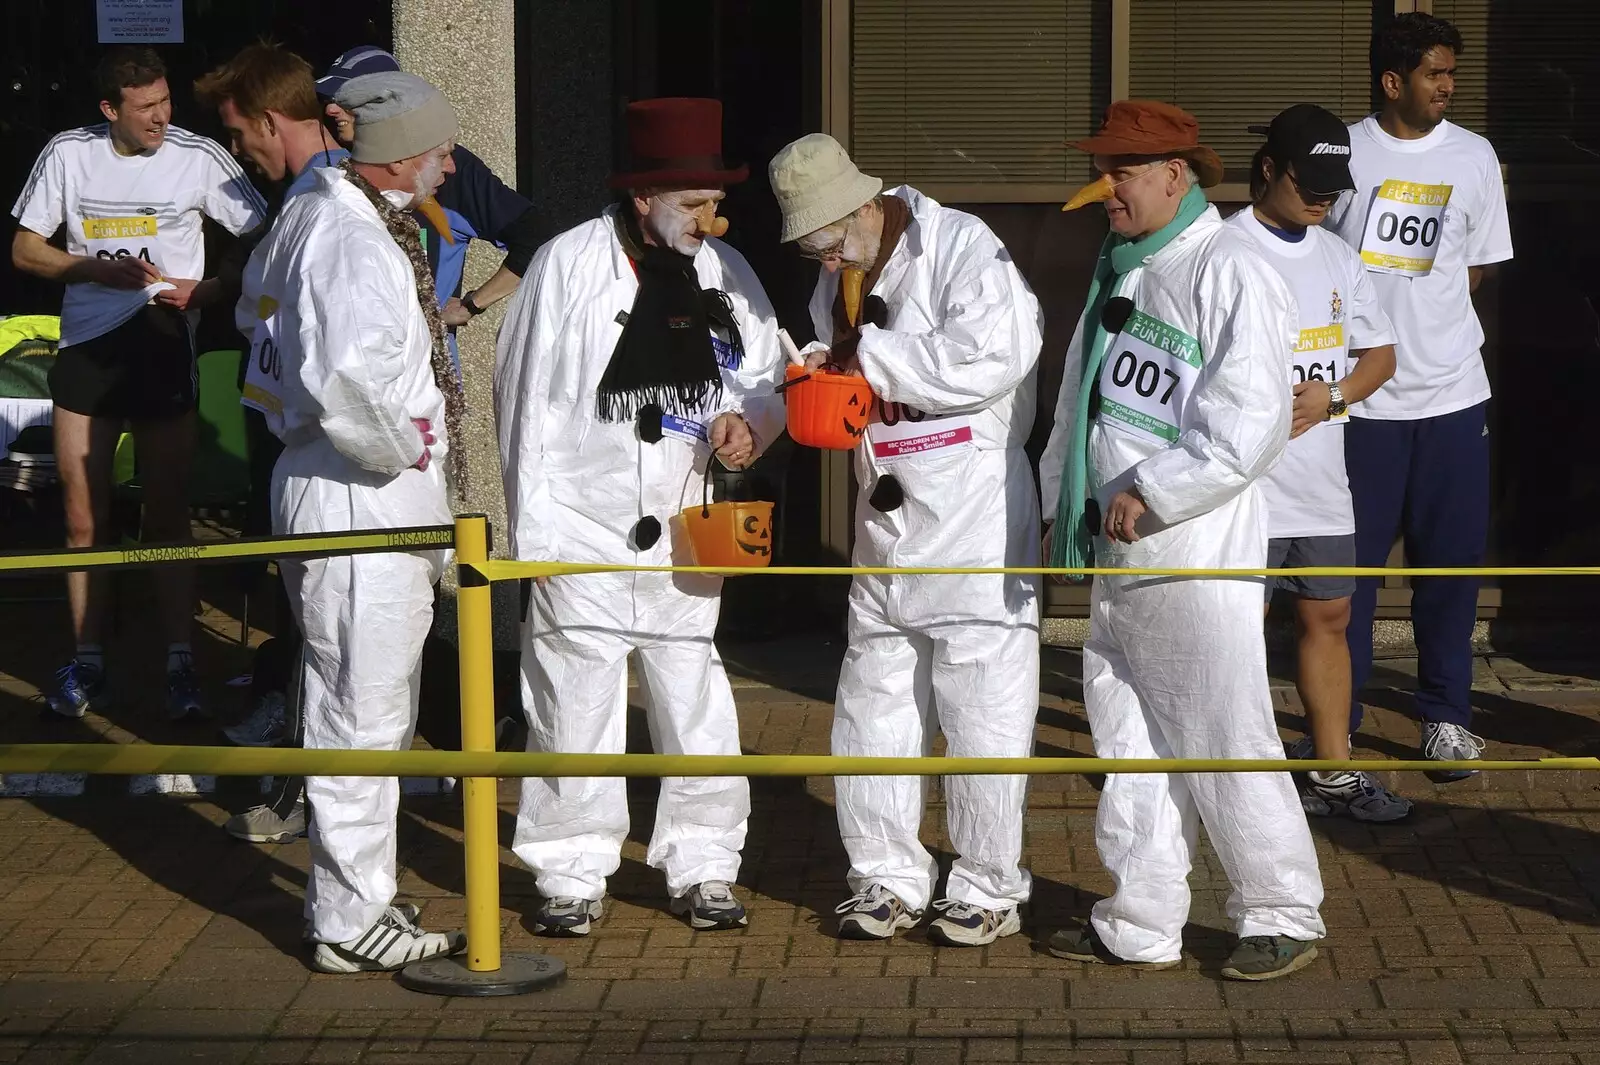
pixel 1402 235
pixel 1150 369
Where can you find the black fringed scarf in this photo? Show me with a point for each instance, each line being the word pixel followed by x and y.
pixel 666 355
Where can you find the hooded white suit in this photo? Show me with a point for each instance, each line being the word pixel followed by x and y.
pixel 956 653
pixel 576 487
pixel 352 359
pixel 1177 668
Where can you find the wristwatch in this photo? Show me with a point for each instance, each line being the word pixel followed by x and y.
pixel 1336 403
pixel 472 308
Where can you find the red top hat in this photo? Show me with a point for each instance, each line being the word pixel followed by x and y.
pixel 676 141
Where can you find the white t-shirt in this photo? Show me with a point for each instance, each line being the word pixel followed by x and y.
pixel 148 205
pixel 1308 493
pixel 1424 211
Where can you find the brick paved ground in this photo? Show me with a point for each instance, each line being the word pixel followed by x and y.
pixel 134 930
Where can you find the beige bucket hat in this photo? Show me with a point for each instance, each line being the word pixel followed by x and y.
pixel 816 184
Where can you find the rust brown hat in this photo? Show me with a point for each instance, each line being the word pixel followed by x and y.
pixel 1149 127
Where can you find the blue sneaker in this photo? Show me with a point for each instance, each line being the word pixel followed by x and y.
pixel 79 687
pixel 183 695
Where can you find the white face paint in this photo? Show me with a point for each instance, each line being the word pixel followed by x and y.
pixel 680 219
pixel 425 179
pixel 430 173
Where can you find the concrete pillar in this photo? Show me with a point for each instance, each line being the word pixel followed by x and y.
pixel 468 51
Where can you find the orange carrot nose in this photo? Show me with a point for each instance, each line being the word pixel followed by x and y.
pixel 850 282
pixel 431 210
pixel 717 228
pixel 1098 191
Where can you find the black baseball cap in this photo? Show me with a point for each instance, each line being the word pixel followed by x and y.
pixel 1316 144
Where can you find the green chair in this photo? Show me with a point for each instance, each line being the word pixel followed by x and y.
pixel 221 475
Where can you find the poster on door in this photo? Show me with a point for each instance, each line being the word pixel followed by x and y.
pixel 140 21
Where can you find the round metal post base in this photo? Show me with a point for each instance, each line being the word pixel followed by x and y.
pixel 519 974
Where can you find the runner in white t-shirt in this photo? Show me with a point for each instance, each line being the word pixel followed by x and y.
pixel 1427 216
pixel 1345 352
pixel 130 194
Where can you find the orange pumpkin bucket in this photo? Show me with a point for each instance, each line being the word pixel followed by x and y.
pixel 827 409
pixel 731 534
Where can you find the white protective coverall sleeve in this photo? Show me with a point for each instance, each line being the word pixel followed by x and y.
pixel 987 343
pixel 1240 409
pixel 750 391
pixel 355 352
pixel 1053 461
pixel 524 354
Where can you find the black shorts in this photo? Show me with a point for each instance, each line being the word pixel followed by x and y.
pixel 1312 551
pixel 141 371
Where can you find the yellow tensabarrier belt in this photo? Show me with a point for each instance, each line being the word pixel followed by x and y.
pixel 501 570
pixel 306 545
pixel 141 759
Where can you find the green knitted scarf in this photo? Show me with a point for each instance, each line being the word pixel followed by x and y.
pixel 1073 545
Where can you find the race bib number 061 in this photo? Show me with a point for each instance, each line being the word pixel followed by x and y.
pixel 1319 355
pixel 1402 235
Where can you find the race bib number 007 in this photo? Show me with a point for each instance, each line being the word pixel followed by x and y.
pixel 1150 369
pixel 1402 235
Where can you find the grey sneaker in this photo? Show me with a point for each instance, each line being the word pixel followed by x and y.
pixel 565 916
pixel 710 907
pixel 263 824
pixel 1084 944
pixel 394 942
pixel 1353 795
pixel 875 912
pixel 264 727
pixel 1268 957
pixel 961 924
pixel 1445 742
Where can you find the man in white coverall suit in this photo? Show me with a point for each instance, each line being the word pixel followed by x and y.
pixel 948 334
pixel 1174 401
pixel 349 366
pixel 637 350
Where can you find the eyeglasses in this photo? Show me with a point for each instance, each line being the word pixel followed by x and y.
pixel 832 251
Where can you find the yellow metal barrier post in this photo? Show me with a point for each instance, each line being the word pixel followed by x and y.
pixel 486 971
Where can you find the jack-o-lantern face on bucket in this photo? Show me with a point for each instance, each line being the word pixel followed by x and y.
pixel 755 536
pixel 854 409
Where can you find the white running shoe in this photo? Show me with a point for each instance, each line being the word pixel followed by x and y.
pixel 962 924
pixel 564 916
pixel 875 912
pixel 1353 795
pixel 393 943
pixel 1446 742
